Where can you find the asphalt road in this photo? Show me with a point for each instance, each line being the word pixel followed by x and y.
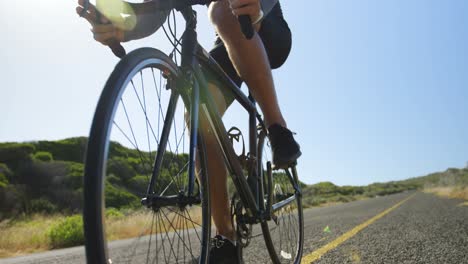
pixel 401 228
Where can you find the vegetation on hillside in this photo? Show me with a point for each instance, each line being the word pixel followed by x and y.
pixel 456 180
pixel 47 176
pixel 327 192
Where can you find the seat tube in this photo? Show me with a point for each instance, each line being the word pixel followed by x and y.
pixel 253 174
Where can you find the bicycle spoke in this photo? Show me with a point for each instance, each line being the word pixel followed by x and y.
pixel 188 219
pixel 177 233
pixel 188 235
pixel 133 134
pixel 132 143
pixel 162 238
pixel 167 232
pixel 160 109
pixel 193 226
pixel 149 244
pixel 143 108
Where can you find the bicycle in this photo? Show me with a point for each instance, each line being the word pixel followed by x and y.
pixel 174 202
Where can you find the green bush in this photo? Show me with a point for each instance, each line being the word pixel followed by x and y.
pixel 117 150
pixel 15 154
pixel 42 205
pixel 139 183
pixel 6 171
pixel 120 168
pixel 42 178
pixel 137 165
pixel 324 188
pixel 43 156
pixel 114 180
pixel 71 149
pixel 3 180
pixel 75 172
pixel 313 201
pixel 113 213
pixel 67 233
pixel 119 197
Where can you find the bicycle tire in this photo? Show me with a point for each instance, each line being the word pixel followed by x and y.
pixel 177 226
pixel 284 237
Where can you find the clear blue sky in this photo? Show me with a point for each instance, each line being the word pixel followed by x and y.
pixel 376 90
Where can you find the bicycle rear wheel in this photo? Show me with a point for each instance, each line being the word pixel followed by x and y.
pixel 284 234
pixel 139 132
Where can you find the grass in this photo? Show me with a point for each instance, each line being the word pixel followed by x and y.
pixel 310 201
pixel 31 234
pixel 452 192
pixel 138 223
pixel 26 235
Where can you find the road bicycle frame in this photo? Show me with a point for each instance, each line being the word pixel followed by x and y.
pixel 194 58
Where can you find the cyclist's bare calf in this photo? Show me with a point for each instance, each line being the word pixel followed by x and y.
pixel 217 171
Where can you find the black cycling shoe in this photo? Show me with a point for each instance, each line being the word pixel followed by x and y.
pixel 223 251
pixel 285 149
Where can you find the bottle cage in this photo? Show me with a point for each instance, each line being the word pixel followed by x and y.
pixel 234 133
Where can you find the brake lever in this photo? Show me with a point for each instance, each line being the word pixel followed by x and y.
pixel 114 45
pixel 246 26
pixel 85 8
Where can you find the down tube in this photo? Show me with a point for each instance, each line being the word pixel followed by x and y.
pixel 193 136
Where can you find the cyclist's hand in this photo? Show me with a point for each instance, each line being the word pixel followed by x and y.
pixel 102 30
pixel 246 7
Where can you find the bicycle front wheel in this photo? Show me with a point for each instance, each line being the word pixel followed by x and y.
pixel 284 234
pixel 140 205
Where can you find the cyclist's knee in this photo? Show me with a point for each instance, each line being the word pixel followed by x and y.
pixel 221 16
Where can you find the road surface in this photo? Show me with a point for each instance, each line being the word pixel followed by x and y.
pixel 410 227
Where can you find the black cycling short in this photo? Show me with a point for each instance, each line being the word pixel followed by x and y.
pixel 276 37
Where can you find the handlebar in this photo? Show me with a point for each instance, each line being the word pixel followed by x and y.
pixel 166 5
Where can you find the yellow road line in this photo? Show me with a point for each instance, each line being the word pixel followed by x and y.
pixel 335 243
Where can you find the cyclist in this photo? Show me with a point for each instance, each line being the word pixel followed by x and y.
pixel 243 60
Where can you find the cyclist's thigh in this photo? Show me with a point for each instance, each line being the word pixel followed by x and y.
pixel 219 53
pixel 276 38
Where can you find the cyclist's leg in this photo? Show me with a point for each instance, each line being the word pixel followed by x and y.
pixel 217 171
pixel 250 60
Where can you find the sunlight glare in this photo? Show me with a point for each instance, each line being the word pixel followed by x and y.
pixel 119 12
